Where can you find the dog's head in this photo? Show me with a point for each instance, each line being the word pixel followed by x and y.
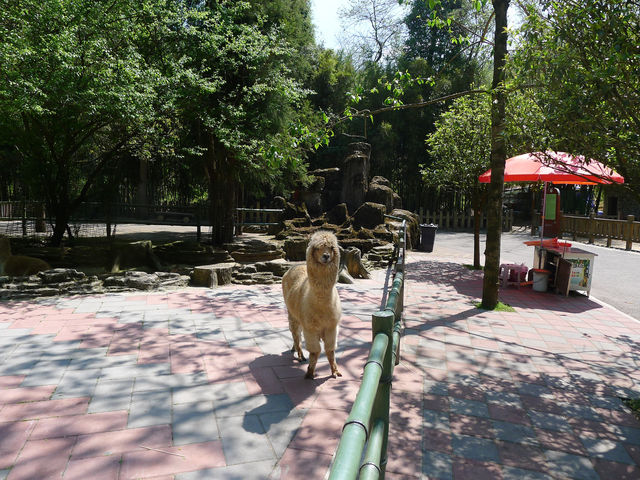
pixel 323 248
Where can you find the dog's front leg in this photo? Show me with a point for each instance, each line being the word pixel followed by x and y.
pixel 313 359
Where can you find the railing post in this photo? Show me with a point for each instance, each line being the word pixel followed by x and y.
pixel 592 227
pixel 383 323
pixel 629 232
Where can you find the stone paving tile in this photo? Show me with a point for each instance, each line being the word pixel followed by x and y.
pixel 244 471
pixel 244 440
pixel 607 450
pixel 474 448
pixel 513 473
pixel 96 468
pixel 502 395
pixel 571 466
pixel 514 432
pixel 122 441
pixel 150 408
pixel 171 460
pixel 437 465
pixel 194 423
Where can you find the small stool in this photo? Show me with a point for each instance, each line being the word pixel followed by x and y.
pixel 512 274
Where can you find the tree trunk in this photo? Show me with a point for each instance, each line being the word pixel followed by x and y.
pixel 498 157
pixel 222 191
pixel 61 215
pixel 477 220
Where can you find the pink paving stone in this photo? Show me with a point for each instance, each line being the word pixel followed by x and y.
pixel 97 337
pixel 172 460
pixel 96 468
pixel 541 404
pixel 26 394
pixel 290 371
pixel 634 451
pixel 506 413
pixel 137 298
pixel 337 394
pixel 592 429
pixel 302 392
pixel 522 456
pixel 263 380
pixel 437 440
pixel 44 409
pixel 186 361
pixel 301 464
pixel 13 435
pixel 405 455
pixel 319 424
pixel 80 424
pixel 436 402
pixel 11 381
pixel 467 392
pixel 154 353
pixel 562 441
pixel 476 470
pixel 122 441
pixel 619 471
pixel 42 459
pixel 468 425
pixel 617 417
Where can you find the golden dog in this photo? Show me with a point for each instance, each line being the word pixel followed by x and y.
pixel 312 301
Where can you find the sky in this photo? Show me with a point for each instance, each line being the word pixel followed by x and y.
pixel 325 19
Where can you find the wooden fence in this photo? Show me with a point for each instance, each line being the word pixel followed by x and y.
pixel 592 227
pixel 461 221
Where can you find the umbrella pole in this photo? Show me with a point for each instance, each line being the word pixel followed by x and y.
pixel 544 206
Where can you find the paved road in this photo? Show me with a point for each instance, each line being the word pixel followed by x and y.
pixel 615 280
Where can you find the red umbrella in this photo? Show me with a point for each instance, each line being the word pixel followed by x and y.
pixel 554 167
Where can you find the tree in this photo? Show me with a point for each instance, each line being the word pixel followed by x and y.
pixel 498 158
pixel 580 61
pixel 75 92
pixel 242 101
pixel 461 148
pixel 374 28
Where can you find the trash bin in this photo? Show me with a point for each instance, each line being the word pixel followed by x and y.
pixel 540 279
pixel 427 236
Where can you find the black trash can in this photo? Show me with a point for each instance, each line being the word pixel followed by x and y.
pixel 427 236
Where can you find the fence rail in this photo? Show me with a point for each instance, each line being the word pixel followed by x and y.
pixel 461 221
pixel 592 227
pixel 362 451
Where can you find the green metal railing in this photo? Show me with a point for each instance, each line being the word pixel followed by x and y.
pixel 362 451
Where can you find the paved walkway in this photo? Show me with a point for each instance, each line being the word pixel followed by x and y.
pixel 200 384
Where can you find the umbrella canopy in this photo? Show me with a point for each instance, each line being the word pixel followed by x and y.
pixel 555 167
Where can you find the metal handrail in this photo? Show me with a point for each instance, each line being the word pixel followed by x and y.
pixel 366 431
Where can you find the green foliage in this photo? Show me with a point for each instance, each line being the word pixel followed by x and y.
pixel 582 63
pixel 460 144
pixel 87 85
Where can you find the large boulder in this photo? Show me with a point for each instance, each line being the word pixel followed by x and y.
pixel 295 248
pixel 369 215
pixel 332 186
pixel 312 196
pixel 381 194
pixel 191 253
pixel 211 276
pixel 250 250
pixel 355 174
pixel 134 255
pixel 413 226
pixel 338 215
